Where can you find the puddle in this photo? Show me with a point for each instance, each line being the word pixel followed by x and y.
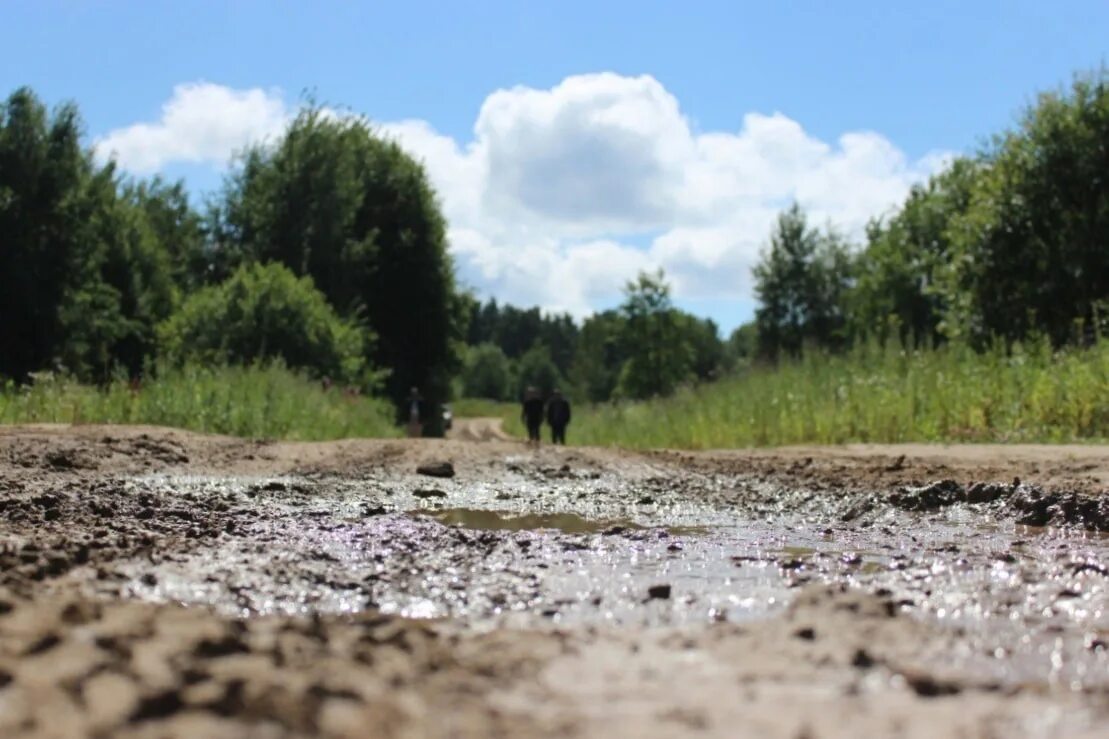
pixel 568 552
pixel 568 523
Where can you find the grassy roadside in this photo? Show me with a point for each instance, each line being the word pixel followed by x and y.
pixel 260 402
pixel 873 394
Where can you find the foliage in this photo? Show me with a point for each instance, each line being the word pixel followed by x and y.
pixel 486 373
pixel 876 393
pixel 898 273
pixel 263 311
pixel 83 276
pixel 537 369
pixel 741 347
pixel 600 355
pixel 1031 249
pixel 801 281
pixel 515 330
pixel 178 228
pixel 659 355
pixel 334 201
pixel 260 401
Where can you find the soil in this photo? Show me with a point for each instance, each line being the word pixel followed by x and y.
pixel 156 582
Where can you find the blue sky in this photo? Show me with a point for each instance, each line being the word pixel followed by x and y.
pixel 565 182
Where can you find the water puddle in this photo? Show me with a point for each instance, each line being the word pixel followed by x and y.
pixel 485 520
pixel 565 552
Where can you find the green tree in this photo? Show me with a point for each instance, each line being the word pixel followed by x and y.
pixel 333 200
pixel 179 229
pixel 599 355
pixel 897 281
pixel 706 348
pixel 659 356
pixel 537 369
pixel 43 173
pixel 83 276
pixel 264 311
pixel 742 346
pixel 801 281
pixel 1031 252
pixel 486 373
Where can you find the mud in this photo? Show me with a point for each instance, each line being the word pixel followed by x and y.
pixel 160 583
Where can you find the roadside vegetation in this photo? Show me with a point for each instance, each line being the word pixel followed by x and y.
pixel 973 311
pixel 259 401
pixel 948 394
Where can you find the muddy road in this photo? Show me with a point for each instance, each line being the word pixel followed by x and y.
pixel 155 582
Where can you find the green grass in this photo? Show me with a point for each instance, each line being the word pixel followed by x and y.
pixel 259 402
pixel 482 408
pixel 873 394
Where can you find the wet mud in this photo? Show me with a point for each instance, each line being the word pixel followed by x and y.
pixel 158 583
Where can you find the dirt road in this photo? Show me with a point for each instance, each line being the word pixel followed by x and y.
pixel 155 582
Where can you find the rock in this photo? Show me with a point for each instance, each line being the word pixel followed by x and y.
pixel 661 592
pixel 429 493
pixel 436 469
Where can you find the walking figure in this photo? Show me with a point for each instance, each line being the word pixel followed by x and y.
pixel 532 414
pixel 558 416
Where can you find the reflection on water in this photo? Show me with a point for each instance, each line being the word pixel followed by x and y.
pixel 475 518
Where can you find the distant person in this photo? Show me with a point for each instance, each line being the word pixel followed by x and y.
pixel 415 414
pixel 532 414
pixel 558 416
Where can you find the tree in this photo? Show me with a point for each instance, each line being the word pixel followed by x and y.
pixel 42 175
pixel 599 355
pixel 179 229
pixel 83 276
pixel 742 346
pixel 264 311
pixel 537 369
pixel 486 373
pixel 659 356
pixel 706 348
pixel 334 201
pixel 900 269
pixel 1031 251
pixel 801 282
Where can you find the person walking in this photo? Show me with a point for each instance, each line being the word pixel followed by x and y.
pixel 532 414
pixel 558 416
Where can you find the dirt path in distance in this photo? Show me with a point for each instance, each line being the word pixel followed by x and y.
pixel 156 582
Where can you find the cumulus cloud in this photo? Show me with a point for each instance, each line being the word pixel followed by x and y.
pixel 202 123
pixel 561 195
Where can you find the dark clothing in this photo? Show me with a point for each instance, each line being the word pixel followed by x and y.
pixel 558 412
pixel 533 416
pixel 558 416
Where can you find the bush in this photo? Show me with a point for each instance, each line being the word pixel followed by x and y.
pixel 264 311
pixel 487 373
pixel 537 369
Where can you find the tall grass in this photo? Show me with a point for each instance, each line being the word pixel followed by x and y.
pixel 873 394
pixel 260 402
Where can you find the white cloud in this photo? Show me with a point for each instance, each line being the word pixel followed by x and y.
pixel 201 123
pixel 563 194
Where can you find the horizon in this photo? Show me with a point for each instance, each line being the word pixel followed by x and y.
pixel 614 141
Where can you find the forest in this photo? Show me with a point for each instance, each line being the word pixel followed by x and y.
pixel 324 256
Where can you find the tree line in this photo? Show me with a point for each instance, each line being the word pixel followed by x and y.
pixel 644 348
pixel 1007 245
pixel 326 249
